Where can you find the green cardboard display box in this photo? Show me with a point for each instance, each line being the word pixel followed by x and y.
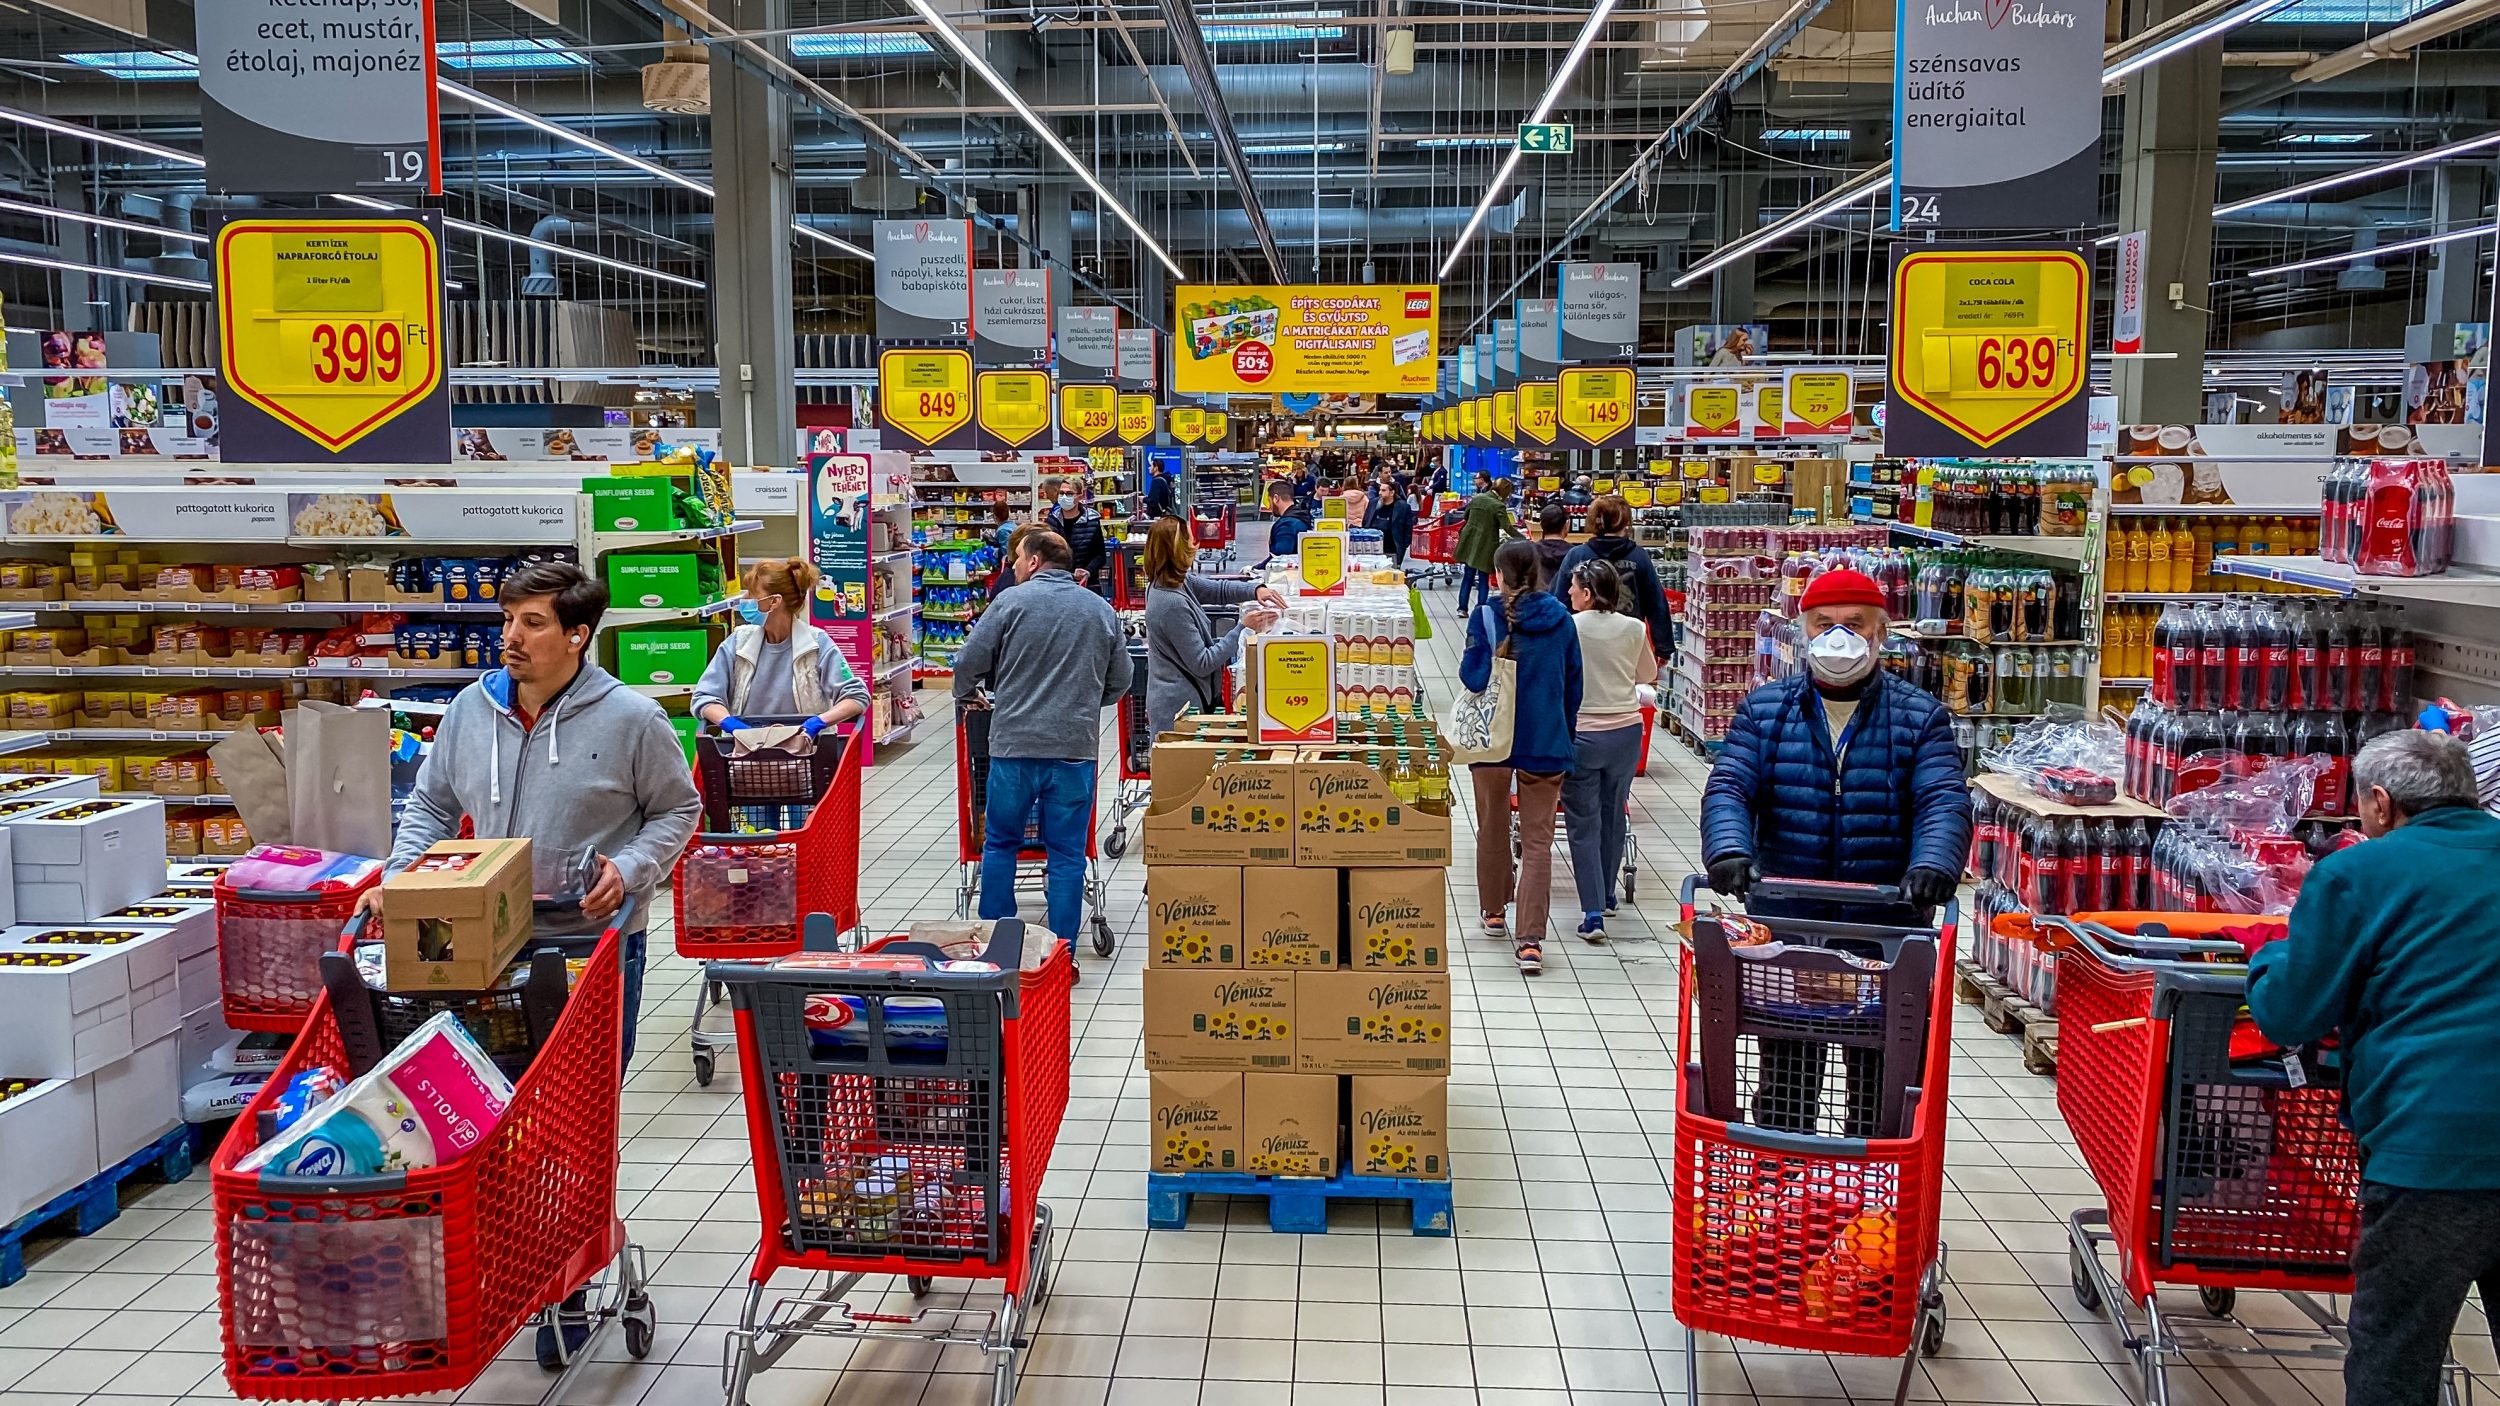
pixel 632 504
pixel 674 580
pixel 662 656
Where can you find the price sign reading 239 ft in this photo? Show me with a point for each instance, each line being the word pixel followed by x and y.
pixel 331 328
pixel 1989 344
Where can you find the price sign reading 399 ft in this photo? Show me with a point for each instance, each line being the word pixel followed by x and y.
pixel 1988 349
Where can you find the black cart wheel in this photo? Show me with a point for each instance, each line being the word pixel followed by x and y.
pixel 1631 882
pixel 1102 936
pixel 920 1284
pixel 1931 1335
pixel 704 1063
pixel 2218 1303
pixel 2087 1285
pixel 1115 844
pixel 641 1326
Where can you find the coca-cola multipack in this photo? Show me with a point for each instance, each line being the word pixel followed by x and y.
pixel 2388 517
pixel 2062 865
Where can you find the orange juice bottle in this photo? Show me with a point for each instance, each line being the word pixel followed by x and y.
pixel 2202 530
pixel 2182 557
pixel 2157 556
pixel 2139 559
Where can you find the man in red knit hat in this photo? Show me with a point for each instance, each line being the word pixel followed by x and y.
pixel 1843 773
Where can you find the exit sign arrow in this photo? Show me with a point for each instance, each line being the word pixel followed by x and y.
pixel 1545 138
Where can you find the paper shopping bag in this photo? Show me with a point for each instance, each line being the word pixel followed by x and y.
pixel 338 777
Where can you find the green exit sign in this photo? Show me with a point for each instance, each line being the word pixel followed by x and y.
pixel 1545 138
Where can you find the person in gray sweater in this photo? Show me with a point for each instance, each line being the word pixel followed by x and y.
pixel 1185 657
pixel 1050 656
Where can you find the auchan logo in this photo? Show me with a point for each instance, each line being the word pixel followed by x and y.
pixel 1419 302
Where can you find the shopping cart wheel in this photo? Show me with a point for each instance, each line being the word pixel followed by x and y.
pixel 2218 1303
pixel 703 1067
pixel 642 1324
pixel 919 1284
pixel 1931 1334
pixel 2087 1284
pixel 1115 844
pixel 1102 935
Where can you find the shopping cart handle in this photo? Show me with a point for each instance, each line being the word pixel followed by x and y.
pixel 378 1184
pixel 2104 936
pixel 1795 1144
pixel 1826 891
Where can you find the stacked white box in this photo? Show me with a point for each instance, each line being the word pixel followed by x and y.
pixel 193 922
pixel 63 1012
pixel 151 968
pixel 50 788
pixel 138 1098
pixel 195 871
pixel 47 1142
pixel 78 862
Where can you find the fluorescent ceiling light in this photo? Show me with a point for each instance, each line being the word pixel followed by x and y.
pixel 2399 247
pixel 861 45
pixel 1840 197
pixel 1293 148
pixel 100 271
pixel 1256 28
pixel 48 212
pixel 2322 139
pixel 2401 163
pixel 1431 143
pixel 1589 31
pixel 1805 134
pixel 2367 12
pixel 91 134
pixel 140 64
pixel 508 55
pixel 1041 127
pixel 835 240
pixel 2189 38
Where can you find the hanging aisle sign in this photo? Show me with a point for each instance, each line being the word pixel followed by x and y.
pixel 299 104
pixel 1135 354
pixel 2126 305
pixel 1598 312
pixel 1089 343
pixel 1714 410
pixel 1987 351
pixel 1348 339
pixel 1539 355
pixel 924 280
pixel 924 396
pixel 1087 414
pixel 1996 114
pixel 329 331
pixel 1536 411
pixel 1136 418
pixel 1187 422
pixel 1013 407
pixel 1594 407
pixel 1816 403
pixel 1011 318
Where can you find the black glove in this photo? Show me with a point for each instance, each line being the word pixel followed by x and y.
pixel 1928 888
pixel 1732 876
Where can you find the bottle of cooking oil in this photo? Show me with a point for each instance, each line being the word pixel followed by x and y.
pixel 1433 784
pixel 1404 783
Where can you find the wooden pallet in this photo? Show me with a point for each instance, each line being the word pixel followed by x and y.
pixel 2039 1041
pixel 1297 1205
pixel 94 1203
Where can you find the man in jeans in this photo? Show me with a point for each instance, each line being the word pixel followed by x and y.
pixel 1052 657
pixel 2393 947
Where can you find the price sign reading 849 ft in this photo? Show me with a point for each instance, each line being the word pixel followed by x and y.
pixel 1988 348
pixel 925 395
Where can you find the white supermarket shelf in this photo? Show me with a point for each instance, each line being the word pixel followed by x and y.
pixel 2108 682
pixel 2063 548
pixel 900 666
pixel 16 619
pixel 293 607
pixel 890 612
pixel 661 690
pixel 622 616
pixel 216 671
pixel 2162 597
pixel 2207 510
pixel 211 799
pixel 628 541
pixel 2458 585
pixel 20 739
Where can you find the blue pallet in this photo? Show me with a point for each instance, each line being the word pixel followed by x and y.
pixel 1296 1205
pixel 95 1202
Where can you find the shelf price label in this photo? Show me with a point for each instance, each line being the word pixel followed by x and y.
pixel 1013 406
pixel 1636 495
pixel 1766 409
pixel 1322 554
pixel 1594 407
pixel 1549 483
pixel 1816 403
pixel 1136 418
pixel 332 327
pixel 1537 404
pixel 1215 426
pixel 1087 413
pixel 1506 416
pixel 924 394
pixel 1987 350
pixel 1187 422
pixel 1714 411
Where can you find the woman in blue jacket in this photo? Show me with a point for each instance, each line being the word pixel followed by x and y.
pixel 1533 629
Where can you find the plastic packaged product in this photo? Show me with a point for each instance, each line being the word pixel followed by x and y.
pixel 290 869
pixel 215 1100
pixel 915 1026
pixel 258 1054
pixel 426 1103
pixel 304 1093
pixel 2406 518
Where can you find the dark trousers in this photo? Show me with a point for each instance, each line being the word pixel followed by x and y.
pixel 2420 1252
pixel 1475 583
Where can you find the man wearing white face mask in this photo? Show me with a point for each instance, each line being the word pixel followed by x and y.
pixel 1076 524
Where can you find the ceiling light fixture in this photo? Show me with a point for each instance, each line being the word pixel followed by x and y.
pixel 1857 190
pixel 2362 173
pixel 2188 39
pixel 100 271
pixel 1589 31
pixel 101 221
pixel 1041 127
pixel 2399 247
pixel 508 237
pixel 138 65
pixel 511 55
pixel 2322 139
pixel 90 134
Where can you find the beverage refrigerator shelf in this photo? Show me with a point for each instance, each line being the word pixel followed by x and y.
pixel 627 541
pixel 217 671
pixel 2012 791
pixel 220 607
pixel 623 616
pixel 2064 548
pixel 2107 682
pixel 2209 509
pixel 19 739
pixel 209 799
pixel 2457 585
pixel 2163 597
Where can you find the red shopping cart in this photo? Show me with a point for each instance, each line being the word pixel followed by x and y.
pixel 269 946
pixel 411 1282
pixel 740 890
pixel 1806 1216
pixel 1137 744
pixel 901 1122
pixel 972 770
pixel 1211 529
pixel 2222 1161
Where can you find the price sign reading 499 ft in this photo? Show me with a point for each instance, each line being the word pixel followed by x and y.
pixel 1988 348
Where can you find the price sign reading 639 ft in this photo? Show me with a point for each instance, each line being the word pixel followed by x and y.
pixel 1988 348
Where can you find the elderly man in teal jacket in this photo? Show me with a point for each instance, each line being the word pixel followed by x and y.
pixel 2395 947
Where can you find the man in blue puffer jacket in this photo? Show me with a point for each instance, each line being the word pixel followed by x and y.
pixel 1844 773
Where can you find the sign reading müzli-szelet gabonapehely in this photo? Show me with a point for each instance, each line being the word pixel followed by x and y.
pixel 924 280
pixel 1089 344
pixel 311 97
pixel 1996 114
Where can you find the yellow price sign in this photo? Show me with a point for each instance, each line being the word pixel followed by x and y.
pixel 1506 416
pixel 1216 425
pixel 1670 494
pixel 1595 406
pixel 1322 556
pixel 1087 413
pixel 925 393
pixel 1712 493
pixel 1549 483
pixel 1297 691
pixel 1694 468
pixel 1603 485
pixel 1466 422
pixel 1537 404
pixel 1187 423
pixel 333 328
pixel 1766 409
pixel 1430 427
pixel 1770 474
pixel 1988 341
pixel 1332 506
pixel 1136 418
pixel 1636 495
pixel 1816 403
pixel 1013 406
pixel 1712 411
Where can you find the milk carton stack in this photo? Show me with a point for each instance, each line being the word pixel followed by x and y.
pixel 1297 994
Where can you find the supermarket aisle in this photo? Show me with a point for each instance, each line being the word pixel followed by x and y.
pixel 1554 1291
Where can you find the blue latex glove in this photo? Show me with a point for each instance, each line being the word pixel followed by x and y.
pixel 812 726
pixel 733 723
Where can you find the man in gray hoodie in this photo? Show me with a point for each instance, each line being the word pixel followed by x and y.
pixel 552 749
pixel 1052 657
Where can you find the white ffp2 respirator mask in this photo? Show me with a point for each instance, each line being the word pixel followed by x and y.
pixel 1839 656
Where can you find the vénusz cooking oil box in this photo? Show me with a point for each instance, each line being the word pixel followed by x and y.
pixel 1194 915
pixel 1399 1126
pixel 1372 1022
pixel 1397 919
pixel 1212 1020
pixel 1198 1124
pixel 1289 918
pixel 1289 1124
pixel 1216 804
pixel 1345 815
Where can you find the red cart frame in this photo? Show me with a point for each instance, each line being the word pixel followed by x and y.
pixel 269 946
pixel 1031 860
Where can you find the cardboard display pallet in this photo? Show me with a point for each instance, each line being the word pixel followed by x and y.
pixel 96 1202
pixel 1297 1205
pixel 2008 1014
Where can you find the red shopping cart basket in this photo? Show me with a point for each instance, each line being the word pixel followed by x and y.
pixel 740 893
pixel 972 772
pixel 269 946
pixel 1211 527
pixel 1809 1238
pixel 900 1123
pixel 411 1282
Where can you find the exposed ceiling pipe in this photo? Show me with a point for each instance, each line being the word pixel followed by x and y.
pixel 2402 39
pixel 1171 123
pixel 1191 42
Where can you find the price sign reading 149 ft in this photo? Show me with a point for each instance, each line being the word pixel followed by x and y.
pixel 1988 350
pixel 1594 407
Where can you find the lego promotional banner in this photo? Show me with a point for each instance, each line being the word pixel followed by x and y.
pixel 1375 339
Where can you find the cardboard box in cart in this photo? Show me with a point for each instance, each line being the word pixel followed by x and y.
pixel 455 919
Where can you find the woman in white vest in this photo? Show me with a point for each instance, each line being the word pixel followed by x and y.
pixel 775 664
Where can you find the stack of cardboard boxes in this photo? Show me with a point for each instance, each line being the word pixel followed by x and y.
pixel 1297 994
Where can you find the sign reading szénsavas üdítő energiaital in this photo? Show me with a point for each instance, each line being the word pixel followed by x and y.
pixel 1997 114
pixel 1348 339
pixel 300 98
pixel 924 280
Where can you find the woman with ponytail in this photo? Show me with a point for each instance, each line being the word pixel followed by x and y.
pixel 1531 628
pixel 775 664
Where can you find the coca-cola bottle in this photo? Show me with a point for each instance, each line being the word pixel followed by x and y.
pixel 2212 659
pixel 2396 692
pixel 2196 754
pixel 2274 634
pixel 2048 870
pixel 1982 830
pixel 2136 890
pixel 2258 737
pixel 2369 658
pixel 2308 657
pixel 2332 795
pixel 2165 654
pixel 2335 516
pixel 2339 658
pixel 2243 656
pixel 2083 866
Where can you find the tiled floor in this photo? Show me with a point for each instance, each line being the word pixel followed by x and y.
pixel 1553 1293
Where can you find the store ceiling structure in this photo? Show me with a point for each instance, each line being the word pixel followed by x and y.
pixel 1261 140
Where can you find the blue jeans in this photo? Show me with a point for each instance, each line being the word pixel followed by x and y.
pixel 1064 792
pixel 1470 579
